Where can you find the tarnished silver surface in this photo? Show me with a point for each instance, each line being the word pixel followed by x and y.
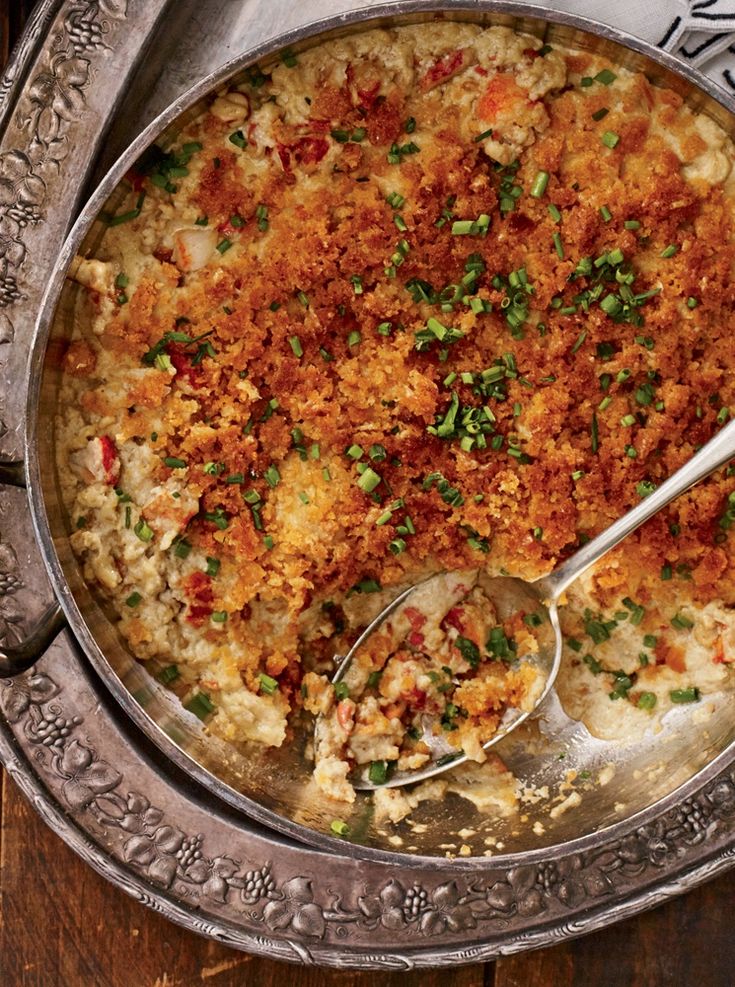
pixel 94 776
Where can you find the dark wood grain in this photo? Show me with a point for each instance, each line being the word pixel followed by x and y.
pixel 61 925
pixel 687 941
pixel 13 15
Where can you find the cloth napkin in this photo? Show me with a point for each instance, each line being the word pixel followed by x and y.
pixel 700 31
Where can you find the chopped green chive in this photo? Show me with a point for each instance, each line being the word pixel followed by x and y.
pixel 339 828
pixel 645 488
pixel 369 480
pixel 610 139
pixel 219 616
pixel 483 136
pixel 212 566
pixel 218 518
pixel 169 674
pixel 224 245
pixel 593 664
pixel 681 623
pixel 182 548
pixel 539 184
pixel 173 463
pixel 580 340
pixel 395 199
pixel 646 700
pixel 605 77
pixel 268 685
pixel 554 213
pixel 558 245
pixel 378 772
pixel 600 114
pixel 272 476
pixel 133 600
pixel 632 224
pixel 606 214
pixel 689 695
pixel 341 690
pixel 295 344
pixel 142 530
pixel 200 705
pixel 670 250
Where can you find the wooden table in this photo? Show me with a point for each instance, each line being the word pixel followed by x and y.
pixel 61 925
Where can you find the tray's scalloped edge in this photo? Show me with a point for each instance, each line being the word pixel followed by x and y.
pixel 32 38
pixel 691 842
pixel 309 948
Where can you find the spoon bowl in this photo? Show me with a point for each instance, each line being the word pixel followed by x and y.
pixel 510 595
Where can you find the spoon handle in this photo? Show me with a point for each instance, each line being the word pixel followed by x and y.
pixel 718 451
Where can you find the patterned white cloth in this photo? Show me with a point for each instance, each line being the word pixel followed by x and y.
pixel 700 31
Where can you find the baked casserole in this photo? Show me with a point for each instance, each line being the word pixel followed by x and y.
pixel 436 299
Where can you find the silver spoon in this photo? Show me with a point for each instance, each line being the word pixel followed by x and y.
pixel 544 595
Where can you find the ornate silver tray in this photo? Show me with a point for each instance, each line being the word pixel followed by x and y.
pixel 91 773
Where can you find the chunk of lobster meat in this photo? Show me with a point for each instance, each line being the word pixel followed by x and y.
pixel 193 248
pixel 513 119
pixel 306 152
pixel 231 107
pixel 346 715
pixel 97 275
pixel 446 67
pixel 363 85
pixel 98 462
pixel 724 649
pixel 169 508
